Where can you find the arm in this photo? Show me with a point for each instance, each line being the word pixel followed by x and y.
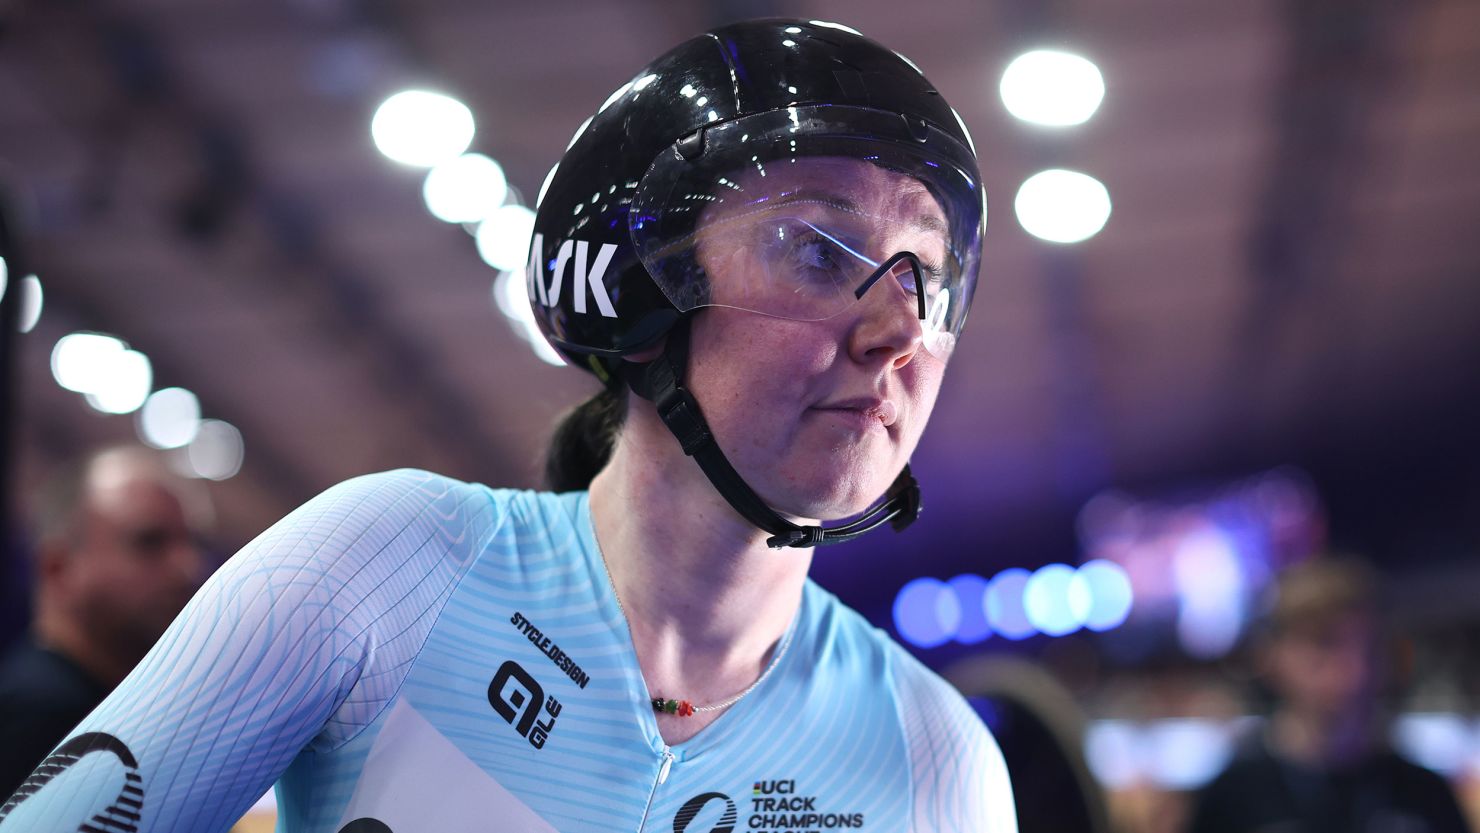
pixel 960 779
pixel 262 662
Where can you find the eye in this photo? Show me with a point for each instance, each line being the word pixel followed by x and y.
pixel 807 255
pixel 816 253
pixel 932 273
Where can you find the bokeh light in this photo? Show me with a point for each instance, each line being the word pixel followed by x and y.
pixel 422 128
pixel 1102 589
pixel 170 418
pixel 503 238
pixel 80 361
pixel 971 592
pixel 466 189
pixel 122 383
pixel 32 300
pixel 510 296
pixel 1210 584
pixel 1052 88
pixel 1046 601
pixel 926 612
pixel 1062 206
pixel 1004 604
pixel 1185 753
pixel 217 451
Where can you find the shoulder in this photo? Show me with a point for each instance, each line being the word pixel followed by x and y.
pixel 403 512
pixel 959 776
pixel 849 640
pixel 402 496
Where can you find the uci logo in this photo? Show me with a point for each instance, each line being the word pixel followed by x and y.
pixel 587 276
pixel 516 697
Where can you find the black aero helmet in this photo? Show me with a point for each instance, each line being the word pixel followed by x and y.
pixel 686 155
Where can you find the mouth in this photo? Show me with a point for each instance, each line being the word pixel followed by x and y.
pixel 864 413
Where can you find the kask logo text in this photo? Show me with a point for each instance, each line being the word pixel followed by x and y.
pixel 586 277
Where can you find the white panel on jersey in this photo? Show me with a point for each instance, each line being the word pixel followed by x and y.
pixel 416 781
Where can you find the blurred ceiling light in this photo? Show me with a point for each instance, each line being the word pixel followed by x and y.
pixel 422 128
pixel 1046 600
pixel 80 361
pixel 4 278
pixel 1052 88
pixel 971 592
pixel 1102 591
pixel 466 189
pixel 510 296
pixel 1210 582
pixel 927 613
pixel 1004 604
pixel 503 238
pixel 170 418
pixel 32 300
pixel 1062 206
pixel 123 384
pixel 216 452
pixel 1114 750
pixel 1186 753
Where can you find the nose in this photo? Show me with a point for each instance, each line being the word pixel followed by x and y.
pixel 887 325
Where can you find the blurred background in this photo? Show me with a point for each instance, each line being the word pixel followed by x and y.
pixel 1228 318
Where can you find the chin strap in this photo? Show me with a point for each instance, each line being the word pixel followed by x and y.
pixel 660 382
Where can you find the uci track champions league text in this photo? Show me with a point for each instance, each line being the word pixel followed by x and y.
pixel 777 808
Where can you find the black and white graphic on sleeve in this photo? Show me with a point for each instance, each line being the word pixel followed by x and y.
pixel 121 815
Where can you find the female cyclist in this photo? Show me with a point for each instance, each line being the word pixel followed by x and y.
pixel 764 246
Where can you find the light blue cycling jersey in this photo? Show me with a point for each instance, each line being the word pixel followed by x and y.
pixel 407 653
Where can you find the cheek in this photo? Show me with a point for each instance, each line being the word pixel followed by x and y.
pixel 921 387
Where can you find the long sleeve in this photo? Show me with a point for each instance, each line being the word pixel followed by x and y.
pixel 299 641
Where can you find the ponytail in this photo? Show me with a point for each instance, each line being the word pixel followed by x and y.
pixel 583 440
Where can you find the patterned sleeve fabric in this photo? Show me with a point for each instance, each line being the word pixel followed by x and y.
pixel 960 777
pixel 299 641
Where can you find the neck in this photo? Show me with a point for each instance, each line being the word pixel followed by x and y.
pixel 704 596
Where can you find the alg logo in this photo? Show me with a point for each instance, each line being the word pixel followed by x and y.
pixel 516 697
pixel 587 276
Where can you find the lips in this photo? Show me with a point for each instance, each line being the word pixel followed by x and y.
pixel 867 410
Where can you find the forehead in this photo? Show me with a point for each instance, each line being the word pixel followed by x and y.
pixel 862 185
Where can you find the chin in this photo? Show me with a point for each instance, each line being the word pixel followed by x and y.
pixel 827 494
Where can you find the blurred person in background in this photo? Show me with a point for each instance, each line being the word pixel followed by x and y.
pixel 116 559
pixel 1322 761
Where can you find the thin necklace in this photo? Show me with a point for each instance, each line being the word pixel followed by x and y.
pixel 683 708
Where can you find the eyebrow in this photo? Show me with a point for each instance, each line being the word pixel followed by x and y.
pixel 926 222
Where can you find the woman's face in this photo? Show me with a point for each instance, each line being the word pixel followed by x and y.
pixel 818 416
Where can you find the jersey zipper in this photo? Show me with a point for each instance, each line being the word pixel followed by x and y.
pixel 665 763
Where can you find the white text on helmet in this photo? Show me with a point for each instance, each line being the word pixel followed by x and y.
pixel 585 278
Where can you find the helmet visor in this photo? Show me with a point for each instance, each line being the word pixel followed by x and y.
pixel 799 213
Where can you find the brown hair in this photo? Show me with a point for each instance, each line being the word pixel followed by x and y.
pixel 583 440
